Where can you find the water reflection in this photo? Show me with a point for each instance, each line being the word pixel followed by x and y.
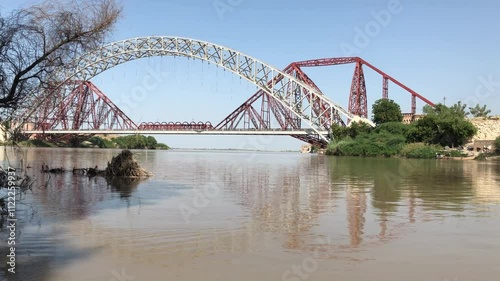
pixel 275 203
pixel 123 186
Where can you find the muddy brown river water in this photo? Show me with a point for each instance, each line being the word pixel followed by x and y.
pixel 229 215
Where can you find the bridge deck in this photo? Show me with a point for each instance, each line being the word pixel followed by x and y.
pixel 179 132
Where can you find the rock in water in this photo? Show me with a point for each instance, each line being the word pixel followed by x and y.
pixel 124 165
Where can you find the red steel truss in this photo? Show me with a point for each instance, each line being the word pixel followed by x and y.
pixel 255 112
pixel 80 105
pixel 358 104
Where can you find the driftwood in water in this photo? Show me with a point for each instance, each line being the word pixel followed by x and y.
pixel 124 165
pixel 91 172
pixel 47 170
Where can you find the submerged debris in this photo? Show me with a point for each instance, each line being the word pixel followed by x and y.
pixel 47 170
pixel 124 165
pixel 91 172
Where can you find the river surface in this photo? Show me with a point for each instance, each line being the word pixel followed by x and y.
pixel 229 215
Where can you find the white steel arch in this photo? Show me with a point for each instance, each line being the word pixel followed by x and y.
pixel 300 98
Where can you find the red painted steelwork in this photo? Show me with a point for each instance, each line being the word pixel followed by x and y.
pixel 177 126
pixel 357 98
pixel 84 108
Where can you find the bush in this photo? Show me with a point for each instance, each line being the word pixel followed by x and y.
pixel 497 144
pixel 352 131
pixel 38 143
pixel 420 150
pixel 480 157
pixel 455 153
pixel 136 142
pixel 129 142
pixel 395 128
pixel 382 144
pixel 162 146
pixel 101 143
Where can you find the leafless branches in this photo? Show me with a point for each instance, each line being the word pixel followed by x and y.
pixel 36 41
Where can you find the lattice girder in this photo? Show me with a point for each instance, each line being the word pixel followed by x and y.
pixel 83 107
pixel 290 92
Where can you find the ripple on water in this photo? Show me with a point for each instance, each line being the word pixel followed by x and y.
pixel 271 210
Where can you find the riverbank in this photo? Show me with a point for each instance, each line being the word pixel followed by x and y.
pixel 125 142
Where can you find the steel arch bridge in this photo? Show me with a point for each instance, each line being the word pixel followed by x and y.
pixel 290 95
pixel 305 102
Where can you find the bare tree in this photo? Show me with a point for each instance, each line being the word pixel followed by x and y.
pixel 37 40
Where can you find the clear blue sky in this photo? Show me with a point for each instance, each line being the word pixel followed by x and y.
pixel 438 48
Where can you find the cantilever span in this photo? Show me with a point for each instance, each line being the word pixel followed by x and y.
pixel 299 108
pixel 305 102
pixel 184 132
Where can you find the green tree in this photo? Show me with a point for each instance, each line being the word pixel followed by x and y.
pixel 138 142
pixel 385 110
pixel 151 142
pixel 427 109
pixel 460 109
pixel 446 126
pixel 479 111
pixel 497 144
pixel 353 130
pixel 339 132
pixel 395 128
pixel 356 128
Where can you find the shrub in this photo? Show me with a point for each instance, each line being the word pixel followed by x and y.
pixel 497 144
pixel 395 128
pixel 420 150
pixel 162 146
pixel 373 144
pixel 39 143
pixel 101 143
pixel 455 153
pixel 480 157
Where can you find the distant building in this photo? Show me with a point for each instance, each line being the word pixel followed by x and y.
pixel 481 145
pixel 409 118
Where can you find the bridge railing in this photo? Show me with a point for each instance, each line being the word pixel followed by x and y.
pixel 177 126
